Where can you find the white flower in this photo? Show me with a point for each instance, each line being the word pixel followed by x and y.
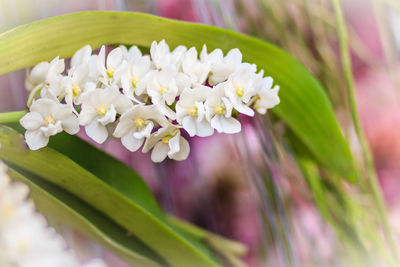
pixel 136 124
pixel 81 57
pixel 190 111
pixel 194 68
pixel 221 67
pixel 167 142
pixel 99 108
pixel 47 118
pixel 77 85
pixel 162 57
pixel 219 111
pixel 37 75
pixel 162 89
pixel 46 78
pixel 266 97
pixel 240 87
pixel 25 238
pixel 111 70
pixel 136 77
pixel 133 54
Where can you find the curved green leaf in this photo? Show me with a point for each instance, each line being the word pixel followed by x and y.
pixel 63 207
pixel 304 105
pixel 137 213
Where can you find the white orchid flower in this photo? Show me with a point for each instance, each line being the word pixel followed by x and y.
pixel 45 79
pixel 162 89
pixel 81 57
pixel 160 54
pixel 100 108
pixel 165 142
pixel 240 88
pixel 136 77
pixel 37 75
pixel 221 67
pixel 110 70
pixel 266 97
pixel 78 85
pixel 47 118
pixel 162 57
pixel 190 111
pixel 197 70
pixel 133 54
pixel 137 123
pixel 219 111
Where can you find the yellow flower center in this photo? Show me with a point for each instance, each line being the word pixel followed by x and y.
pixel 220 110
pixel 49 120
pixel 134 81
pixel 166 139
pixel 139 122
pixel 164 89
pixel 110 72
pixel 239 91
pixel 101 110
pixel 76 90
pixel 192 111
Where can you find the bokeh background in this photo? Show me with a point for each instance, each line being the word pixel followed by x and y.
pixel 247 186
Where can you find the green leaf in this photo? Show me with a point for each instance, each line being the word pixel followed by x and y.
pixel 304 105
pixel 63 207
pixel 128 201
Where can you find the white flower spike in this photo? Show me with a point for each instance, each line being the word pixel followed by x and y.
pixel 146 99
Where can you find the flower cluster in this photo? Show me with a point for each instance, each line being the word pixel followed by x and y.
pixel 145 100
pixel 25 238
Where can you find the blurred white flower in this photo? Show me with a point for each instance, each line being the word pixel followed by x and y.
pixel 99 109
pixel 137 123
pixel 266 97
pixel 25 238
pixel 47 118
pixel 190 111
pixel 165 142
pixel 219 111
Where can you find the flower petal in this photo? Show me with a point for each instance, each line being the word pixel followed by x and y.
pixel 130 142
pixel 159 152
pixel 70 124
pixel 183 151
pixel 32 121
pixel 97 131
pixel 36 139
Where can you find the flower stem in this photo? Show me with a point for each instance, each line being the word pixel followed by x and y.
pixel 14 116
pixel 367 157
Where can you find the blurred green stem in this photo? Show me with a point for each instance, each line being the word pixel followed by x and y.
pixel 371 174
pixel 14 116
